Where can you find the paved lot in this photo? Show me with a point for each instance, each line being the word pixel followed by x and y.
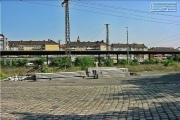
pixel 148 96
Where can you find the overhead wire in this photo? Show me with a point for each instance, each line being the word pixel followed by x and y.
pixel 104 13
pixel 119 16
pixel 91 32
pixel 132 10
pixel 123 12
pixel 126 17
pixel 164 39
pixel 97 33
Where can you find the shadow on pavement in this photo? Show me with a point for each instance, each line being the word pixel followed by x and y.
pixel 151 98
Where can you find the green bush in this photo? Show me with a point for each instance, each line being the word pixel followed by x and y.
pixel 61 62
pixel 123 62
pixel 22 62
pixel 168 62
pixel 134 62
pixel 45 69
pixel 108 62
pixel 40 61
pixel 151 61
pixel 84 62
pixel 14 62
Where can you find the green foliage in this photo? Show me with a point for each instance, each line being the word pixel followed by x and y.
pixel 151 61
pixel 123 62
pixel 169 62
pixel 45 69
pixel 134 62
pixel 84 62
pixel 14 62
pixel 40 61
pixel 22 62
pixel 108 62
pixel 3 75
pixel 61 62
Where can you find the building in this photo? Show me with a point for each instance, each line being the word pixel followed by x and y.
pixel 13 45
pixel 87 45
pixel 3 42
pixel 130 47
pixel 161 56
pixel 33 45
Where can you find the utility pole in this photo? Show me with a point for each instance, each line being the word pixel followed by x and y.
pixel 67 27
pixel 127 47
pixel 107 37
pixel 59 44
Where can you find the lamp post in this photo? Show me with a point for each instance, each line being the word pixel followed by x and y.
pixel 59 44
pixel 127 47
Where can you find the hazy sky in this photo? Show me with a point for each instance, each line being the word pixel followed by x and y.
pixel 45 19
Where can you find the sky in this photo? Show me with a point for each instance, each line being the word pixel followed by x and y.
pixel 45 19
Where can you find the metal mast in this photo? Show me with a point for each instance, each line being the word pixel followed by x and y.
pixel 107 37
pixel 127 46
pixel 67 27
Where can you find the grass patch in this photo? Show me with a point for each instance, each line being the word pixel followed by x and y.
pixel 152 67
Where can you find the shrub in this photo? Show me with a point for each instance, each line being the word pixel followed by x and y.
pixel 108 62
pixel 84 62
pixel 22 62
pixel 40 61
pixel 123 62
pixel 61 62
pixel 45 69
pixel 151 61
pixel 134 62
pixel 15 62
pixel 168 62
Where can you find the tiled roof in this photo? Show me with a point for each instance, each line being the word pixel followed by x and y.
pixel 97 43
pixel 130 45
pixel 162 49
pixel 31 42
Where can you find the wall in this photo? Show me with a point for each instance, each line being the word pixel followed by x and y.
pixel 52 47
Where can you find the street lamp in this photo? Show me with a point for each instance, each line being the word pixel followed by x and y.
pixel 59 44
pixel 127 47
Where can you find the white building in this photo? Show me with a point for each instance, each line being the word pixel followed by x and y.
pixel 131 47
pixel 3 43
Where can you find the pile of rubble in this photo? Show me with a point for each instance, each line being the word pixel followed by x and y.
pixel 19 78
pixel 94 72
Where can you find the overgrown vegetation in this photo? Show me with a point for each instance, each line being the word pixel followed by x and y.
pixel 14 62
pixel 61 62
pixel 84 62
pixel 64 64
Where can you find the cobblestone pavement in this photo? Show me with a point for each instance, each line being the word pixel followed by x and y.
pixel 145 97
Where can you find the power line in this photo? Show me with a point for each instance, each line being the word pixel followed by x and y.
pixel 133 10
pixel 124 13
pixel 92 32
pixel 164 39
pixel 97 34
pixel 105 13
pixel 125 17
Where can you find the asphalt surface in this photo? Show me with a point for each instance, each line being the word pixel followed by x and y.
pixel 148 96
